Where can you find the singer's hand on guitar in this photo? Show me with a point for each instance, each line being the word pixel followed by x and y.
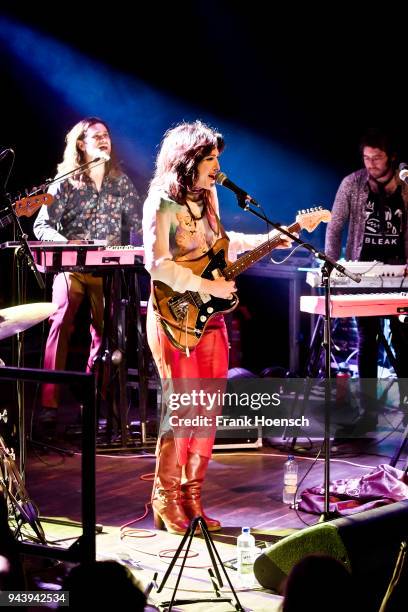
pixel 220 287
pixel 286 242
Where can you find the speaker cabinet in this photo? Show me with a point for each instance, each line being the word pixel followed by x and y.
pixel 367 543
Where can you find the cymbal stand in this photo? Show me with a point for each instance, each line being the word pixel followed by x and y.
pixel 16 494
pixel 25 260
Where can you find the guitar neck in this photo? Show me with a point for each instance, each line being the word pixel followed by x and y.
pixel 255 255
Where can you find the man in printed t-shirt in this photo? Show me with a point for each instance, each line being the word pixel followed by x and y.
pixel 373 202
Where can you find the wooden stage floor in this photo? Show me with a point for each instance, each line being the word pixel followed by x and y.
pixel 243 488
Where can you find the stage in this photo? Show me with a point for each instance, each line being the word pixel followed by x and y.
pixel 243 488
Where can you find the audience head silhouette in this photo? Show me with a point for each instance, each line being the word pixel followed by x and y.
pixel 105 585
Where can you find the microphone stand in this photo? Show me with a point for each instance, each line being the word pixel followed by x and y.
pixel 328 267
pixel 24 251
pixel 61 177
pixel 25 254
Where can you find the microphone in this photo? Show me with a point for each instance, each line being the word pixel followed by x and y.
pixel 102 156
pixel 403 168
pixel 354 277
pixel 222 179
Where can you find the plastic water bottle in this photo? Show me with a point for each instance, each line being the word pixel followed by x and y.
pixel 246 558
pixel 290 479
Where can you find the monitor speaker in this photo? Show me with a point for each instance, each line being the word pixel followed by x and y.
pixel 367 543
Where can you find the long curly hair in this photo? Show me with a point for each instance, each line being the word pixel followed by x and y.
pixel 182 149
pixel 74 157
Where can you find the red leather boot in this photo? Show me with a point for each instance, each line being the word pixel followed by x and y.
pixel 196 469
pixel 168 511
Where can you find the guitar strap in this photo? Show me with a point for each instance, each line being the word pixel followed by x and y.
pixel 218 230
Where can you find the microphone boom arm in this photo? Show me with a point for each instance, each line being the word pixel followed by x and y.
pixel 245 205
pixel 59 178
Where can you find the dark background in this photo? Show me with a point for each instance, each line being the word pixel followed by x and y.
pixel 292 90
pixel 309 87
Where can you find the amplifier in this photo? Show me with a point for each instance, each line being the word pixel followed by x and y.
pixel 228 438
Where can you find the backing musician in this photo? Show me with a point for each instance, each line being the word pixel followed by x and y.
pixel 98 203
pixel 373 202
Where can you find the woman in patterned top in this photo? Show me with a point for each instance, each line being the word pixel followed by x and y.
pixel 180 222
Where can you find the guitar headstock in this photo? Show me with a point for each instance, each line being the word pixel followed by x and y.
pixel 29 205
pixel 310 218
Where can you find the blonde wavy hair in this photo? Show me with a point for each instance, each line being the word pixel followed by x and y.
pixel 74 157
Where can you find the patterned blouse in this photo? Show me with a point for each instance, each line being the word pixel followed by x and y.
pixel 172 232
pixel 113 214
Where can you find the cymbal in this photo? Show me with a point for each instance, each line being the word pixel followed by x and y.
pixel 18 318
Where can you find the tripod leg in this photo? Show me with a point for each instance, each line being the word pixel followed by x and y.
pixel 307 388
pixel 213 552
pixel 315 350
pixel 311 371
pixel 189 533
pixel 209 544
pixel 192 530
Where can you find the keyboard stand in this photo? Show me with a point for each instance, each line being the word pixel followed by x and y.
pixel 122 306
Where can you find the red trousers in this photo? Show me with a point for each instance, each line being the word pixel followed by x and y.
pixel 68 291
pixel 208 360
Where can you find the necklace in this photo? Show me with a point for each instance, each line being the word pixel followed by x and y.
pixel 192 215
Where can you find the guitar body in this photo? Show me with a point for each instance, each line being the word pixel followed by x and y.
pixel 184 316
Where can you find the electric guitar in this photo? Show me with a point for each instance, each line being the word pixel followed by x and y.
pixel 26 207
pixel 184 316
